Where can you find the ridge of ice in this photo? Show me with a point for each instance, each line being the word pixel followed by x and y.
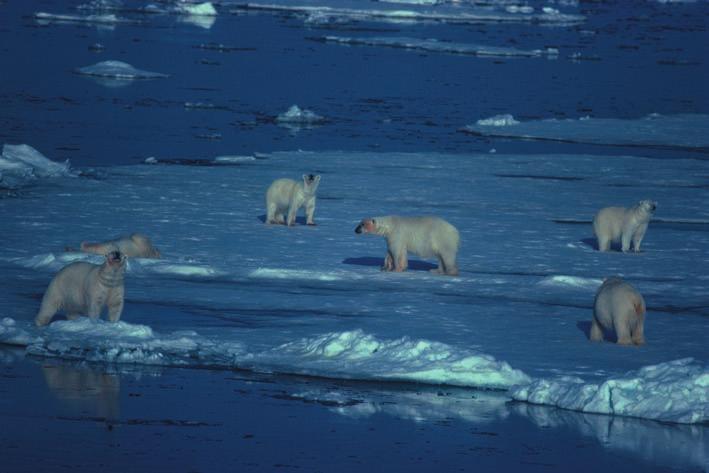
pixel 20 164
pixel 675 391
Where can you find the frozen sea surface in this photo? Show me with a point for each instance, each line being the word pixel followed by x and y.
pixel 233 292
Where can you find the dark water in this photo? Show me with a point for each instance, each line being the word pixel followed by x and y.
pixel 627 60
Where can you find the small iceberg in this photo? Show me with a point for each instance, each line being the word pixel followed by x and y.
pixel 296 115
pixel 118 70
pixel 196 9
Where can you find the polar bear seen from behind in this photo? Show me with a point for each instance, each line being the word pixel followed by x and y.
pixel 426 237
pixel 619 307
pixel 287 195
pixel 619 223
pixel 135 245
pixel 83 288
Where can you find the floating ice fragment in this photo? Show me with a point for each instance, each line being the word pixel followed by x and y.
pixel 197 9
pixel 233 159
pixel 21 164
pixel 118 70
pixel 109 19
pixel 297 115
pixel 498 120
pixel 151 160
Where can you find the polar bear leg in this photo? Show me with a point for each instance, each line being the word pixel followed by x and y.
pixel 271 213
pixel 388 262
pixel 639 235
pixel 622 331
pixel 292 211
pixel 449 266
pixel 626 236
pixel 604 243
pixel 638 335
pixel 402 262
pixel 596 334
pixel 47 310
pixel 72 316
pixel 115 310
pixel 309 212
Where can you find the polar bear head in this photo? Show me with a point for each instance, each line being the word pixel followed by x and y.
pixel 116 260
pixel 310 183
pixel 646 207
pixel 368 225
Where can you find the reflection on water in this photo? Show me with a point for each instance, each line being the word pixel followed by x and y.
pixel 94 389
pixel 656 442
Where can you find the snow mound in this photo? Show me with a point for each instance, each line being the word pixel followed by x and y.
pixel 675 391
pixel 118 70
pixel 122 342
pixel 571 281
pixel 279 273
pixel 365 356
pixel 11 334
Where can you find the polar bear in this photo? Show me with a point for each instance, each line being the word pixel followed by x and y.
pixel 83 288
pixel 288 195
pixel 618 223
pixel 423 236
pixel 135 245
pixel 621 308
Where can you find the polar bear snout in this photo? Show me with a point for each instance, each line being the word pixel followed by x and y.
pixel 115 258
pixel 366 226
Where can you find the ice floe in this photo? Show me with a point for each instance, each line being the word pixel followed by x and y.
pixel 682 131
pixel 675 391
pixel 119 70
pixel 434 45
pixel 108 19
pixel 397 12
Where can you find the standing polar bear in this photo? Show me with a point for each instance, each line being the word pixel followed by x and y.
pixel 83 288
pixel 135 245
pixel 621 308
pixel 423 236
pixel 618 223
pixel 288 195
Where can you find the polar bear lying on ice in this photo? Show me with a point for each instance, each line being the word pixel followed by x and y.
pixel 618 223
pixel 135 245
pixel 423 236
pixel 288 195
pixel 83 288
pixel 621 308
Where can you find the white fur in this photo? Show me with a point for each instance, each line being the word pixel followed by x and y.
pixel 618 223
pixel 135 245
pixel 287 195
pixel 426 237
pixel 84 289
pixel 621 308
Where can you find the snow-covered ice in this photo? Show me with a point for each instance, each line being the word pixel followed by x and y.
pixel 296 115
pixel 233 292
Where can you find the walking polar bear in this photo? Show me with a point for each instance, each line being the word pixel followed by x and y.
pixel 288 195
pixel 423 236
pixel 83 288
pixel 621 308
pixel 618 223
pixel 135 245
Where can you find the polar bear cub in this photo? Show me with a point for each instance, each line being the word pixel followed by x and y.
pixel 618 223
pixel 83 288
pixel 135 245
pixel 288 195
pixel 423 236
pixel 621 308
